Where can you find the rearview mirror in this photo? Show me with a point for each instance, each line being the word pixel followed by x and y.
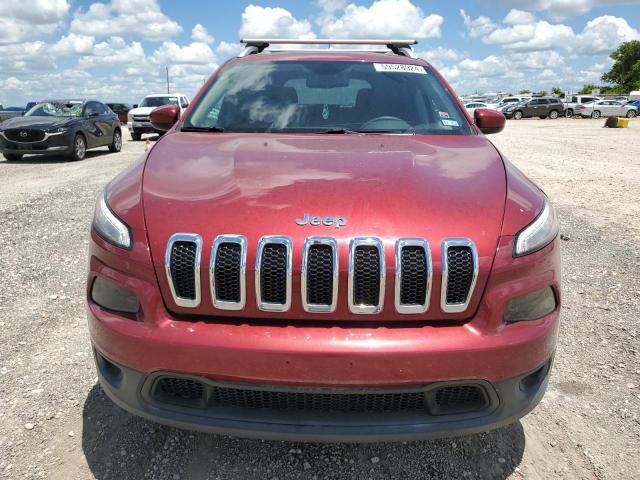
pixel 489 121
pixel 163 118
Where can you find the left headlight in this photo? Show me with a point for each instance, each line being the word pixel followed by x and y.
pixel 109 226
pixel 538 234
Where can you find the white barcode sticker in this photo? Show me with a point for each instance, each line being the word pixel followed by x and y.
pixel 399 68
pixel 449 123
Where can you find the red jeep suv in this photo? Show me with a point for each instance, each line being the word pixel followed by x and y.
pixel 325 247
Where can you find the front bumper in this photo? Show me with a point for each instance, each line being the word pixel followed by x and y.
pixel 54 145
pixel 507 401
pixel 141 127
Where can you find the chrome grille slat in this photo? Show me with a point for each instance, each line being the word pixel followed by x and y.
pixel 419 285
pixel 184 278
pixel 227 272
pixel 273 274
pixel 364 276
pixel 319 282
pixel 458 275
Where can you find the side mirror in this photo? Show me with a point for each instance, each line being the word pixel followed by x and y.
pixel 489 121
pixel 135 105
pixel 163 118
pixel 92 114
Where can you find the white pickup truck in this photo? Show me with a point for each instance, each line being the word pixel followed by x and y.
pixel 574 100
pixel 138 117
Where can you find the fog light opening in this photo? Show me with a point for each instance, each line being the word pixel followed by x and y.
pixel 110 371
pixel 532 306
pixel 110 296
pixel 532 381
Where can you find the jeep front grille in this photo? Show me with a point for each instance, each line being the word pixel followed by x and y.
pixel 182 264
pixel 273 274
pixel 227 272
pixel 459 273
pixel 319 282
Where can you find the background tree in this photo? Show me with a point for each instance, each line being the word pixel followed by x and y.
pixel 525 92
pixel 556 91
pixel 625 72
pixel 542 93
pixel 586 89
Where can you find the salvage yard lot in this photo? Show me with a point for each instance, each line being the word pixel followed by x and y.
pixel 55 422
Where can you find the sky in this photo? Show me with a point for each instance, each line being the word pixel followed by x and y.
pixel 117 50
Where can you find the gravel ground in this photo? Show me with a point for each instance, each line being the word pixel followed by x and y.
pixel 55 421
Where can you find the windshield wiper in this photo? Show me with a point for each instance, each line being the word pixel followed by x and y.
pixel 202 129
pixel 349 131
pixel 338 131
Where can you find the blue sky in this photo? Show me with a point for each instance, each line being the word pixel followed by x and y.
pixel 116 50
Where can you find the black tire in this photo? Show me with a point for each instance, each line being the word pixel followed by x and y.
pixel 553 114
pixel 12 157
pixel 596 114
pixel 135 136
pixel 517 115
pixel 632 114
pixel 79 148
pixel 116 143
pixel 569 113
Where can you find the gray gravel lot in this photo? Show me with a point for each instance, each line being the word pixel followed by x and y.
pixel 55 421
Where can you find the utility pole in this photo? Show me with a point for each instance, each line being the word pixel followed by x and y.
pixel 167 69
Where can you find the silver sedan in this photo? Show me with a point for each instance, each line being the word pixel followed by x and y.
pixel 606 108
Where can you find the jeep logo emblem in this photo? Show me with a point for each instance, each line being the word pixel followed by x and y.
pixel 307 219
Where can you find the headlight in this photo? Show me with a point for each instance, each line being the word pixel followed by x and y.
pixel 531 306
pixel 538 234
pixel 110 227
pixel 129 117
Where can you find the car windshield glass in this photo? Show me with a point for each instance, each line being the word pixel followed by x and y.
pixel 328 97
pixel 159 101
pixel 55 109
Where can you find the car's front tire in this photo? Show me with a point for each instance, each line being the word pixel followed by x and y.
pixel 596 114
pixel 79 148
pixel 553 114
pixel 12 157
pixel 569 113
pixel 135 136
pixel 517 115
pixel 116 144
pixel 631 114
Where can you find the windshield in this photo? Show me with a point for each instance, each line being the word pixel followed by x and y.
pixel 158 101
pixel 55 109
pixel 317 97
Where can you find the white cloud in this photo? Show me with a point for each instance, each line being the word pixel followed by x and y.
pixel 477 27
pixel 541 35
pixel 604 34
pixel 200 34
pixel 226 49
pixel 114 51
pixel 273 22
pixel 20 22
pixel 25 57
pixel 194 53
pixel 560 9
pixel 73 44
pixel 519 17
pixel 384 18
pixel 125 17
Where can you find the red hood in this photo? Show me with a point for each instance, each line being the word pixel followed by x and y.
pixel 387 186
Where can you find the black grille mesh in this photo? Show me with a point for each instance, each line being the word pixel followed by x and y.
pixel 183 262
pixel 181 388
pixel 366 275
pixel 227 272
pixel 273 274
pixel 460 397
pixel 318 402
pixel 320 275
pixel 413 279
pixel 460 273
pixel 31 135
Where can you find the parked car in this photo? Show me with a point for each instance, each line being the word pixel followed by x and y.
pixel 633 103
pixel 138 117
pixel 536 107
pixel 120 109
pixel 575 100
pixel 606 108
pixel 10 112
pixel 296 259
pixel 61 127
pixel 473 106
pixel 506 101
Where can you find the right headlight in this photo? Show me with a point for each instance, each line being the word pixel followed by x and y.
pixel 538 234
pixel 109 226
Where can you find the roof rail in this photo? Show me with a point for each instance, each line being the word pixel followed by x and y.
pixel 258 45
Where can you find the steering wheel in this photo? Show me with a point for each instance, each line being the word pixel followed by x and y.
pixel 386 122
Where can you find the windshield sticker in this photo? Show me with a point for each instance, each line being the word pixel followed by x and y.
pixel 450 123
pixel 399 68
pixel 443 114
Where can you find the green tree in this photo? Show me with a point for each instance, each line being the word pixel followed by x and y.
pixel 625 72
pixel 586 90
pixel 556 91
pixel 525 92
pixel 542 93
